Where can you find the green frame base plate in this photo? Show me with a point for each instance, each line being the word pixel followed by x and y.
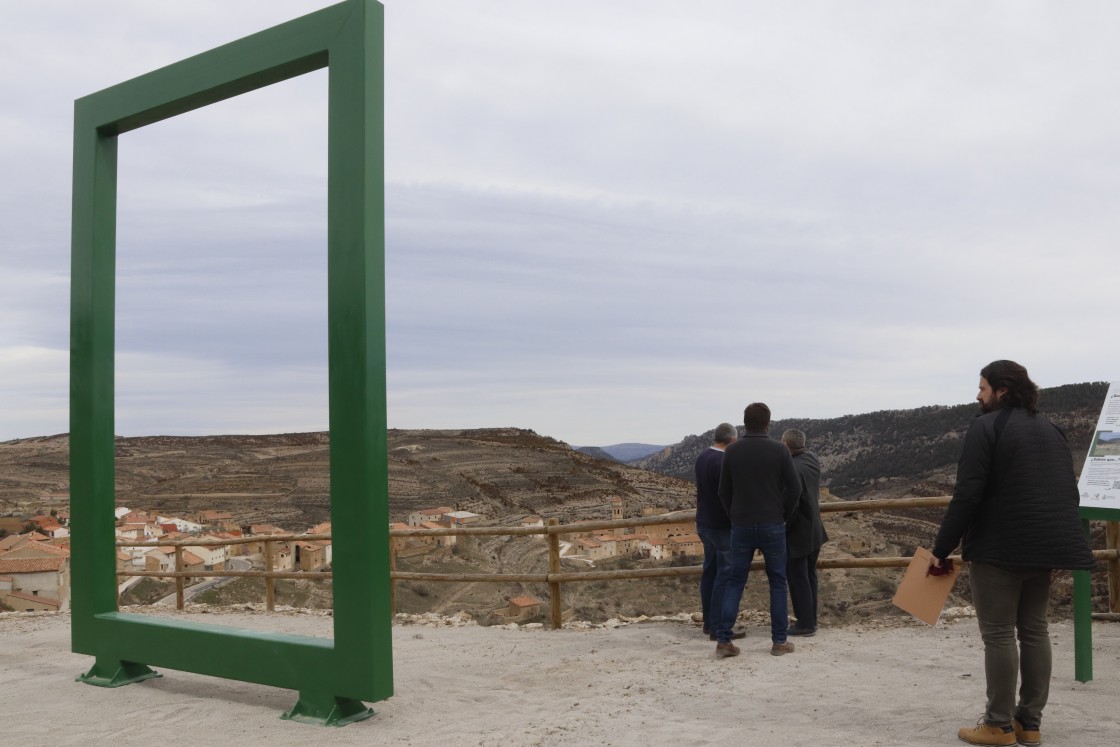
pixel 117 674
pixel 327 710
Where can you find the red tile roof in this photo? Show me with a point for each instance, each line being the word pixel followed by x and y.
pixel 35 550
pixel 30 565
pixel 52 549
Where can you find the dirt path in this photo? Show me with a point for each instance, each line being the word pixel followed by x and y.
pixel 654 683
pixel 461 590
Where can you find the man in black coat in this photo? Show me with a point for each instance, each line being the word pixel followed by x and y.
pixel 804 536
pixel 759 488
pixel 1015 508
pixel 713 526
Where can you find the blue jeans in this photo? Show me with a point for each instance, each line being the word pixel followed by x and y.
pixel 771 540
pixel 717 556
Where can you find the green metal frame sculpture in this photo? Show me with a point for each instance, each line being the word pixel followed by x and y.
pixel 333 677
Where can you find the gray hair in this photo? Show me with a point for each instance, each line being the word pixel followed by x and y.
pixel 794 438
pixel 725 433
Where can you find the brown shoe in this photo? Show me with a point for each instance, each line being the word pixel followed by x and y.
pixel 781 648
pixel 1027 734
pixel 984 733
pixel 727 649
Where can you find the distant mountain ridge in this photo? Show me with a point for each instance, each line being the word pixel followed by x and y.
pixel 595 451
pixel 907 447
pixel 626 453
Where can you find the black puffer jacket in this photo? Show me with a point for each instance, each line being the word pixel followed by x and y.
pixel 1015 501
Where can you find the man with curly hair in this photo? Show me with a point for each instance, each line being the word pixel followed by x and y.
pixel 1014 513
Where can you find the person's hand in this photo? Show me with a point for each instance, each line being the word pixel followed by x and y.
pixel 938 567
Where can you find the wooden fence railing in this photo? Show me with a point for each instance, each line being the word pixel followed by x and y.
pixel 555 577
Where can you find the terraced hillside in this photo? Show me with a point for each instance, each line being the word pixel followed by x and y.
pixel 284 479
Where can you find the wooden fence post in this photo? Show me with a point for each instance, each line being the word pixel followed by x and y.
pixel 554 586
pixel 392 583
pixel 269 582
pixel 180 582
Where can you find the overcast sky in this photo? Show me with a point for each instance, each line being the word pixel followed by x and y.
pixel 606 221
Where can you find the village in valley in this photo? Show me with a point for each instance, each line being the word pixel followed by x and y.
pixel 308 555
pixel 35 550
pixel 660 542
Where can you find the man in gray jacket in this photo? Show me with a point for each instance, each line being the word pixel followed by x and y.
pixel 804 536
pixel 1014 512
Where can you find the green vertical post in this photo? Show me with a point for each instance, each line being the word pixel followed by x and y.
pixel 356 338
pixel 1083 601
pixel 1083 619
pixel 1082 626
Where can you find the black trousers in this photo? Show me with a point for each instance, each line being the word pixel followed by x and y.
pixel 802 575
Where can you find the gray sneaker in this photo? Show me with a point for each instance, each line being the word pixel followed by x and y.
pixel 781 648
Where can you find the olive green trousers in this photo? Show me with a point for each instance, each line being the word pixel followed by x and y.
pixel 1012 604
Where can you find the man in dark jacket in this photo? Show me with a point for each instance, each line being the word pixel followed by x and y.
pixel 804 536
pixel 713 526
pixel 759 488
pixel 1015 508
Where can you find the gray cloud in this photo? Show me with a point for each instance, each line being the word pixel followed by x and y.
pixel 605 221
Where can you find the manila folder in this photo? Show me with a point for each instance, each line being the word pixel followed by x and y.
pixel 921 595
